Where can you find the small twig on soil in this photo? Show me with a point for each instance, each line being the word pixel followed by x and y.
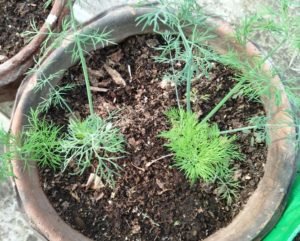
pixel 97 89
pixel 145 215
pixel 142 169
pixel 155 160
pixel 129 71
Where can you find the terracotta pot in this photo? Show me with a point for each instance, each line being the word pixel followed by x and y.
pixel 12 71
pixel 263 208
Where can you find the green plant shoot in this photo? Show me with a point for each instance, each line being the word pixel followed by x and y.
pixel 200 151
pixel 93 142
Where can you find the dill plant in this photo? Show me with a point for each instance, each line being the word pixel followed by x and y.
pixel 197 147
pixel 93 139
pixel 40 142
pixel 88 141
pixel 6 141
pixel 200 151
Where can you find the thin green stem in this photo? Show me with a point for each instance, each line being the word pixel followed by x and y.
pixel 238 86
pixel 255 127
pixel 223 101
pixel 188 88
pixel 86 79
pixel 188 63
pixel 239 129
pixel 82 60
pixel 176 86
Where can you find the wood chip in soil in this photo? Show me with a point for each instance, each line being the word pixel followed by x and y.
pixel 150 202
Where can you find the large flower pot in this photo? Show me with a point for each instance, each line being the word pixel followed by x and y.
pixel 263 208
pixel 12 71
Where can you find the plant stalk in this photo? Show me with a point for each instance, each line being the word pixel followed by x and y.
pixel 237 86
pixel 254 127
pixel 82 61
pixel 188 63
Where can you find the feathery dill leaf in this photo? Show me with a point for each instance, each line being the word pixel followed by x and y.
pixel 93 139
pixel 40 142
pixel 200 151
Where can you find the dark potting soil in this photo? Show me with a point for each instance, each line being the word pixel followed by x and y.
pixel 15 19
pixel 151 200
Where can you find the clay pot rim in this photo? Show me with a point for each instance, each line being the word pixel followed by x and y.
pixel 253 221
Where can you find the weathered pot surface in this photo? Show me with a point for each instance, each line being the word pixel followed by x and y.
pixel 263 208
pixel 12 71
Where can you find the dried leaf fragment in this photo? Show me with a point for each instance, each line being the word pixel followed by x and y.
pixel 152 43
pixel 115 75
pixel 136 228
pixel 116 56
pixel 94 182
pixel 99 196
pixel 160 184
pixel 96 73
pixel 75 196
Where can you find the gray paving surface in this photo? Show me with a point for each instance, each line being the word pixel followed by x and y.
pixel 13 225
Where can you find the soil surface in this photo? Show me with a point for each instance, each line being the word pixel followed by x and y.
pixel 16 17
pixel 152 200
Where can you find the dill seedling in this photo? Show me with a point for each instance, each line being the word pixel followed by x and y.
pixel 93 138
pixel 90 140
pixel 185 43
pixel 40 142
pixel 192 52
pixel 227 185
pixel 7 142
pixel 200 150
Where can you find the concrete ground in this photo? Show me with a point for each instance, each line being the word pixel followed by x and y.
pixel 13 225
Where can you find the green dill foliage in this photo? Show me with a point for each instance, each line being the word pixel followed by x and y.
pixel 190 50
pixel 83 40
pixel 56 97
pixel 280 19
pixel 280 22
pixel 93 141
pixel 47 4
pixel 200 151
pixel 227 186
pixel 88 140
pixel 56 94
pixel 41 142
pixel 6 141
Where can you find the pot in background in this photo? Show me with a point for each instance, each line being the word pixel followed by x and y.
pixel 12 70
